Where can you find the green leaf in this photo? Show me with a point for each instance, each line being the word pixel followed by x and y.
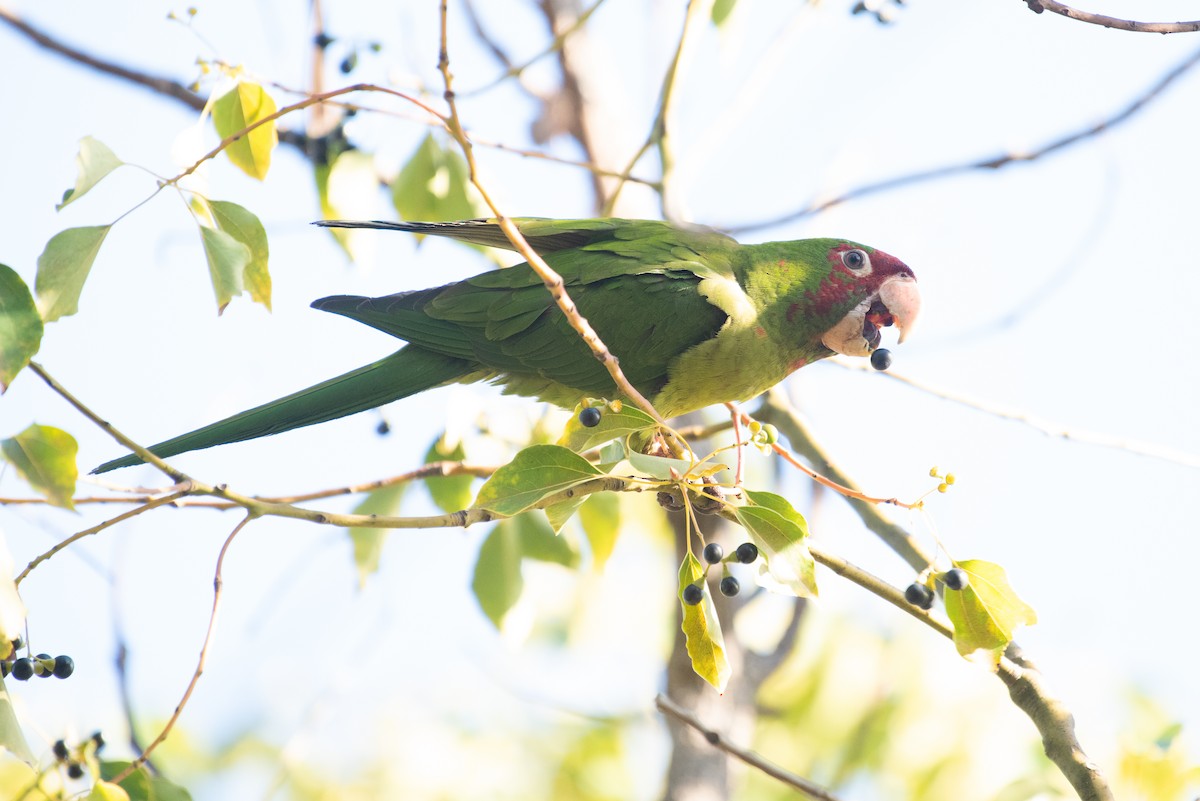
pixel 20 326
pixel 246 228
pixel 601 520
pixel 106 791
pixel 244 105
pixel 779 531
pixel 702 630
pixel 497 581
pixel 987 611
pixel 94 161
pixel 661 466
pixel 613 424
pixel 227 262
pixel 433 185
pixel 45 457
pixel 721 10
pixel 535 473
pixel 141 786
pixel 63 267
pixel 450 493
pixel 367 541
pixel 558 514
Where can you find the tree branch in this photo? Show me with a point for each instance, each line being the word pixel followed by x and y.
pixel 1038 6
pixel 992 163
pixel 669 707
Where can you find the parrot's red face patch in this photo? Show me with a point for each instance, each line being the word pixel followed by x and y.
pixel 880 291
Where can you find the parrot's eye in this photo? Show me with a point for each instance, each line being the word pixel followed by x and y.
pixel 856 261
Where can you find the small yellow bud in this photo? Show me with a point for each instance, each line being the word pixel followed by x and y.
pixel 933 472
pixel 949 478
pixel 943 487
pixel 755 427
pixel 770 434
pixel 615 406
pixel 192 11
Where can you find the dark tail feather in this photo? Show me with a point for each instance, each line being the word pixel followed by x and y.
pixel 406 372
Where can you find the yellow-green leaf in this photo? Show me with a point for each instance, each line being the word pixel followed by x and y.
pixel 780 532
pixel 94 161
pixel 16 760
pixel 613 424
pixel 433 185
pixel 106 791
pixel 63 268
pixel 601 520
pixel 45 457
pixel 227 261
pixel 348 190
pixel 986 612
pixel 367 541
pixel 450 493
pixel 702 630
pixel 246 228
pixel 534 473
pixel 141 786
pixel 20 326
pixel 233 112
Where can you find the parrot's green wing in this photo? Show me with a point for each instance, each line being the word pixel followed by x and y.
pixel 636 281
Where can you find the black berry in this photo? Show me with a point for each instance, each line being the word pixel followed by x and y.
pixel 383 429
pixel 919 595
pixel 693 594
pixel 75 770
pixel 746 553
pixel 60 751
pixel 348 64
pixel 713 553
pixel 64 666
pixel 98 739
pixel 881 359
pixel 730 586
pixel 589 417
pixel 955 579
pixel 22 669
pixel 43 665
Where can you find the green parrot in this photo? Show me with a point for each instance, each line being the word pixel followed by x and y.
pixel 694 317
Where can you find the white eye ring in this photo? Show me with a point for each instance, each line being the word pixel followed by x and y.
pixel 856 261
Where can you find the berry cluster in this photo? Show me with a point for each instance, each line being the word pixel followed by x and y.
pixel 714 554
pixel 75 761
pixel 920 594
pixel 44 665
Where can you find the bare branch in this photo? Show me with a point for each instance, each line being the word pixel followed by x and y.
pixel 993 163
pixel 156 83
pixel 669 707
pixel 1049 427
pixel 1038 6
pixel 199 671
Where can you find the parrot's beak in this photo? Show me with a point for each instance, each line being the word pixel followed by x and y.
pixel 903 301
pixel 896 303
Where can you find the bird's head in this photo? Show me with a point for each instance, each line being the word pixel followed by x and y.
pixel 864 290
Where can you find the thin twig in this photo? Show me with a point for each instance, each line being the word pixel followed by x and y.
pixel 993 163
pixel 1049 427
pixel 669 707
pixel 87 532
pixel 658 129
pixel 208 636
pixel 515 70
pixel 553 281
pixel 1038 6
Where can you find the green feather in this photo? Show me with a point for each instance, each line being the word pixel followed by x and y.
pixel 694 317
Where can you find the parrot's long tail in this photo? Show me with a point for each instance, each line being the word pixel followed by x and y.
pixel 406 372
